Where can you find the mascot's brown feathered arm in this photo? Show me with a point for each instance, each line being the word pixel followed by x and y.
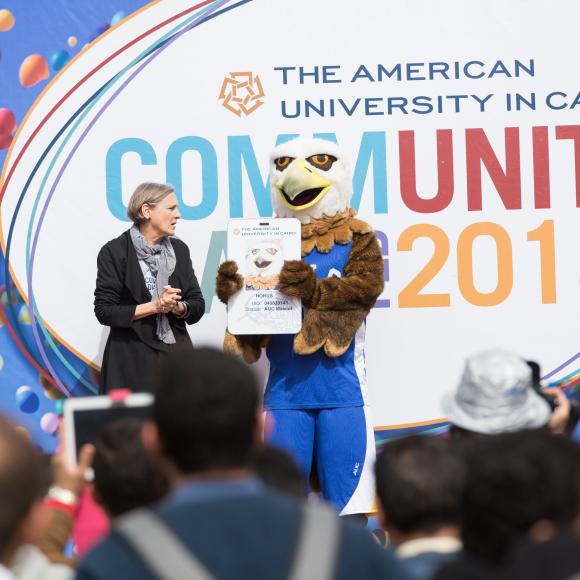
pixel 360 286
pixel 228 282
pixel 337 306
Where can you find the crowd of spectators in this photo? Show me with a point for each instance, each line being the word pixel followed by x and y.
pixel 195 492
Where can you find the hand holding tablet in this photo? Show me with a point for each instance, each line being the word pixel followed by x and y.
pixel 85 417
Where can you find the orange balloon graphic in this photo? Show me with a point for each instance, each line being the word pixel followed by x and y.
pixel 33 70
pixel 6 20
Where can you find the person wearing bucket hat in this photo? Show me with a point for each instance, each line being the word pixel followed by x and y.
pixel 495 395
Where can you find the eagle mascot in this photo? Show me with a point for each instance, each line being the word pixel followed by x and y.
pixel 316 394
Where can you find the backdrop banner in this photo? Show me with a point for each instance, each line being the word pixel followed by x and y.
pixel 460 123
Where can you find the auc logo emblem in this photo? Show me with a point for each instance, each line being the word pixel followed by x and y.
pixel 241 93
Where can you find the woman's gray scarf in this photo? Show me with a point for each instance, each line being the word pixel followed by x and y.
pixel 161 261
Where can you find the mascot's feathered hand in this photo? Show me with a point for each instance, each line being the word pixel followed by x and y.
pixel 228 282
pixel 298 280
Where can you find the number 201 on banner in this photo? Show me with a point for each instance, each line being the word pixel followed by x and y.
pixel 412 296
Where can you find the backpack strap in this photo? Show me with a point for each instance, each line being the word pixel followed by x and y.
pixel 159 547
pixel 317 550
pixel 169 559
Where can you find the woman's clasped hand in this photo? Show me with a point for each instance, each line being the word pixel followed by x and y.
pixel 168 299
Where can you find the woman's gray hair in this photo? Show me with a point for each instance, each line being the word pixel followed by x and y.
pixel 149 193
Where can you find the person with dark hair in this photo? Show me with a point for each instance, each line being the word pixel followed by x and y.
pixel 517 484
pixel 419 483
pixel 277 470
pixel 126 475
pixel 219 521
pixel 556 558
pixel 21 511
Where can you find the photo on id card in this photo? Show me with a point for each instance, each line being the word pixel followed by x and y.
pixel 259 247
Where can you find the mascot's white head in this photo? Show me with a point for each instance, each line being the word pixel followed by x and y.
pixel 309 178
pixel 264 259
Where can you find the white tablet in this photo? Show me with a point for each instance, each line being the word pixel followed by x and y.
pixel 259 247
pixel 85 417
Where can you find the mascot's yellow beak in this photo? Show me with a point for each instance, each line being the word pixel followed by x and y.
pixel 301 186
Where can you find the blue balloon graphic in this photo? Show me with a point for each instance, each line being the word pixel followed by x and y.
pixel 100 30
pixel 59 59
pixel 117 17
pixel 27 400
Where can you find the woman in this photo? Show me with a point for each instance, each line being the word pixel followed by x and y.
pixel 146 290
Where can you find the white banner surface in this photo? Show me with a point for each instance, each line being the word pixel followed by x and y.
pixel 460 122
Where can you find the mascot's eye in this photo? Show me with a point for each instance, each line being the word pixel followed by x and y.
pixel 255 252
pixel 321 161
pixel 272 251
pixel 282 162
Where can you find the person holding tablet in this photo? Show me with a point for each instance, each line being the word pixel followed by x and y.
pixel 146 290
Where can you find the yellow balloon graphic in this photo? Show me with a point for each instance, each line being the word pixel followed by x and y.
pixel 6 20
pixel 24 315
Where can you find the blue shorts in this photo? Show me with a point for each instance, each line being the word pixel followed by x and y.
pixel 341 443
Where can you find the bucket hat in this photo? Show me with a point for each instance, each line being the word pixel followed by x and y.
pixel 495 395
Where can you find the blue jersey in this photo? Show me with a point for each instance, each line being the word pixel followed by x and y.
pixel 317 381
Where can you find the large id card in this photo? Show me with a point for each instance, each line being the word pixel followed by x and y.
pixel 259 247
